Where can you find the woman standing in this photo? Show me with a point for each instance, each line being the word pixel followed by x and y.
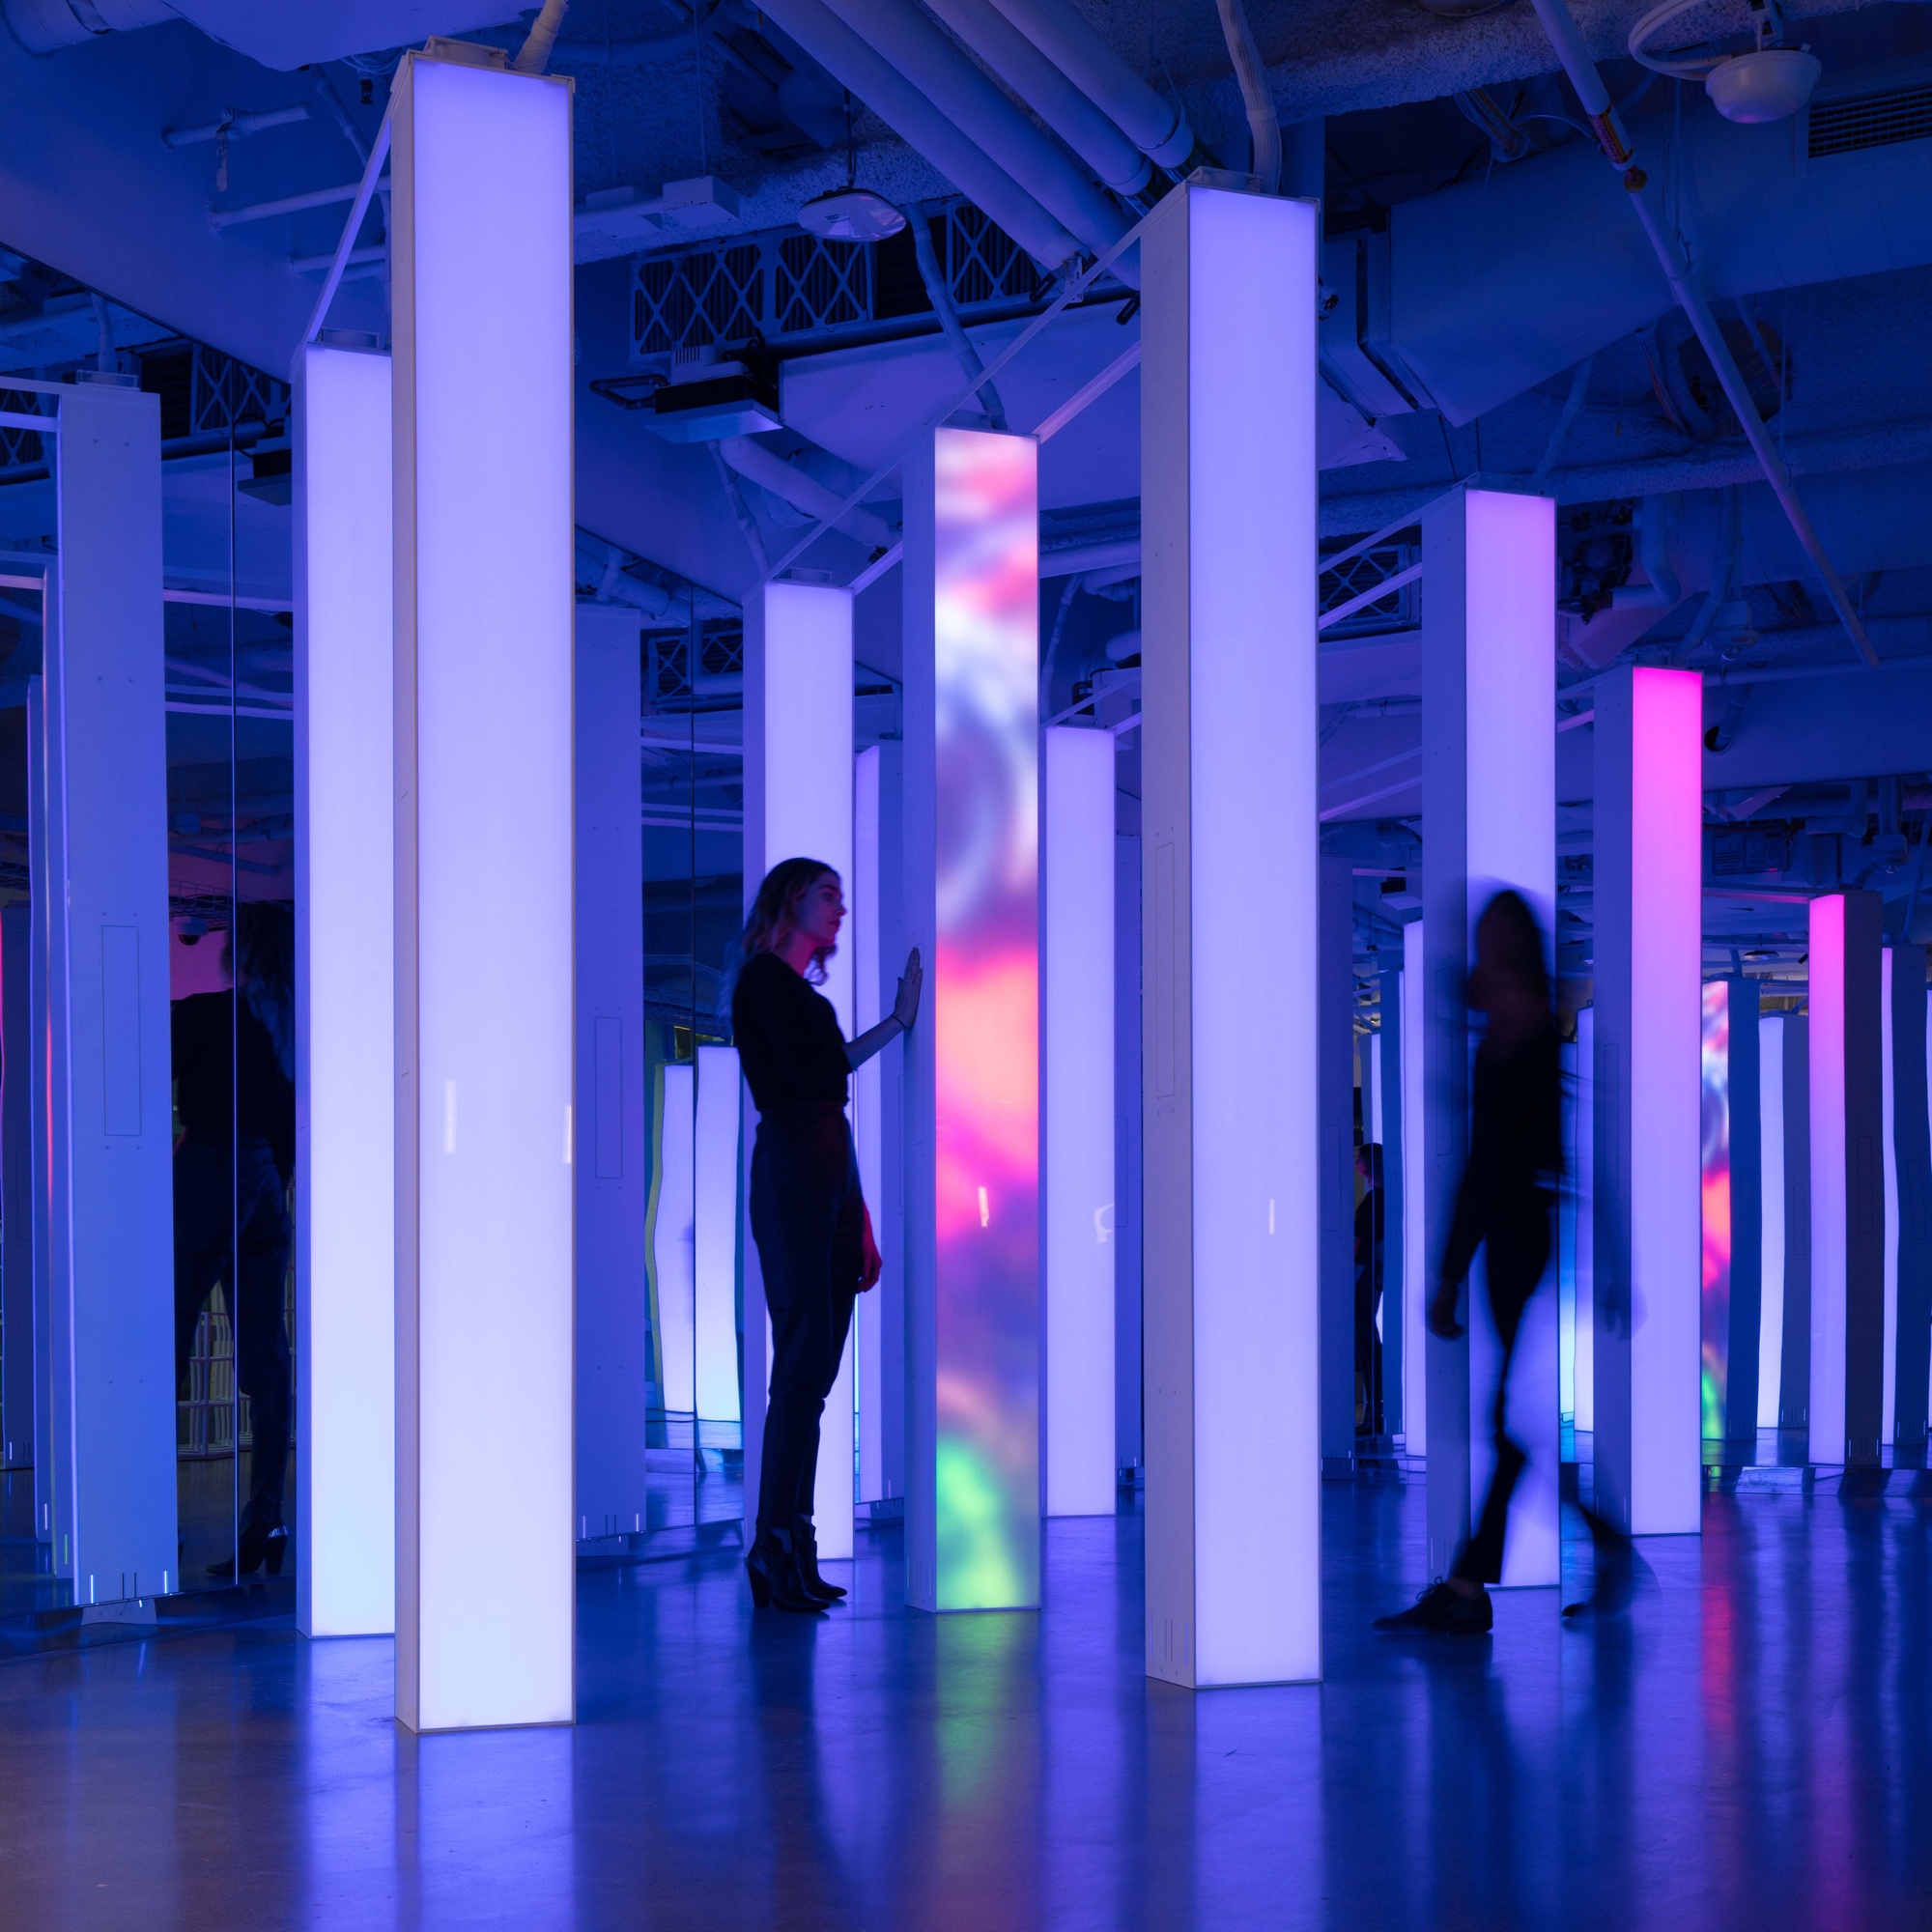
pixel 814 1234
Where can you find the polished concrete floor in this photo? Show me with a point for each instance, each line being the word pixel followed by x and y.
pixel 1751 1748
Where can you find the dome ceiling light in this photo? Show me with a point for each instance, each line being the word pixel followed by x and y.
pixel 851 214
pixel 1772 82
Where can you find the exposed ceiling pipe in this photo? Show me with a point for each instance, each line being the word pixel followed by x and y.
pixel 941 298
pixel 915 119
pixel 973 104
pixel 1663 592
pixel 1263 123
pixel 1155 126
pixel 41 26
pixel 1566 421
pixel 534 57
pixel 1092 136
pixel 747 525
pixel 769 470
pixel 1615 144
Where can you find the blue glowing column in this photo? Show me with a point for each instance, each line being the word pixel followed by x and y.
pixel 345 997
pixel 1414 1276
pixel 104 765
pixel 1847 1099
pixel 1233 1145
pixel 1489 813
pixel 612 1147
pixel 1911 1144
pixel 16 1191
pixel 485 1137
pixel 972 1065
pixel 798 804
pixel 1389 1085
pixel 1078 1053
pixel 1648 971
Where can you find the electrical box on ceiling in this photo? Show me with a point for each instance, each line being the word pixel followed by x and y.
pixel 708 398
pixel 615 220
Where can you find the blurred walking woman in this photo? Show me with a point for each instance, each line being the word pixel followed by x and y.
pixel 814 1234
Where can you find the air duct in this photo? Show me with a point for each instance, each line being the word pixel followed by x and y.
pixel 770 471
pixel 856 65
pixel 1091 134
pixel 1157 127
pixel 907 38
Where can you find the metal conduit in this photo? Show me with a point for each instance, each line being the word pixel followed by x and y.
pixel 1091 134
pixel 908 39
pixel 917 121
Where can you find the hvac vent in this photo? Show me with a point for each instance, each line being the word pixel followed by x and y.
pixel 1870 121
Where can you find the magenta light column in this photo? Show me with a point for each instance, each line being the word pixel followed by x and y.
pixel 1229 842
pixel 972 1064
pixel 1489 813
pixel 1648 1103
pixel 1847 1179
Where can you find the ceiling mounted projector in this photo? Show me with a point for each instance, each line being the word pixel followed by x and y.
pixel 851 214
pixel 1772 82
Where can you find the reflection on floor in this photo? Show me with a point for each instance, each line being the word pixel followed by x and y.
pixel 1748 1750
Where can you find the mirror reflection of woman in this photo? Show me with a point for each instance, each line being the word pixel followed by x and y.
pixel 814 1232
pixel 234 1097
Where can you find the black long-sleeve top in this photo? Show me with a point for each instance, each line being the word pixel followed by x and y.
pixel 787 1036
pixel 227 1079
pixel 1516 1141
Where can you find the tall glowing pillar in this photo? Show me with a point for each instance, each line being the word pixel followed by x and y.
pixel 1771 1194
pixel 480 263
pixel 1416 1286
pixel 345 996
pixel 1231 1203
pixel 1583 1184
pixel 972 1064
pixel 1794 1369
pixel 714 1234
pixel 1077 1055
pixel 1732 1226
pixel 798 804
pixel 1648 968
pixel 612 1164
pixel 1389 1132
pixel 1912 1148
pixel 16 1191
pixel 1847 1179
pixel 103 763
pixel 1488 810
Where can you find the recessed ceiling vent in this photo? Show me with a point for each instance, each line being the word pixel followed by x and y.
pixel 1862 121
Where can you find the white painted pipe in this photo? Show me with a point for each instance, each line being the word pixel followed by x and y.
pixel 962 93
pixel 288 204
pixel 859 67
pixel 1091 134
pixel 1155 126
pixel 769 470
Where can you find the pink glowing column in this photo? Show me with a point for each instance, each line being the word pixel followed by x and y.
pixel 1648 1054
pixel 972 1064
pixel 1847 1179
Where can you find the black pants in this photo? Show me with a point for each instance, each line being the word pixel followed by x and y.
pixel 808 1218
pixel 229 1198
pixel 1515 1250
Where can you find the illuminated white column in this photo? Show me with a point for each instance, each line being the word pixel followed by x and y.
pixel 1648 968
pixel 1847 1179
pixel 1911 1150
pixel 345 997
pixel 870 1326
pixel 1415 1286
pixel 1771 1190
pixel 40 1000
pixel 1489 813
pixel 1583 1180
pixel 110 1249
pixel 1077 1063
pixel 1335 949
pixel 715 1233
pixel 16 1191
pixel 970 1068
pixel 480 261
pixel 613 1163
pixel 1231 1203
pixel 675 1238
pixel 798 804
pixel 1388 1084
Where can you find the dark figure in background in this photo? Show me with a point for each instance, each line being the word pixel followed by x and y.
pixel 815 1235
pixel 1369 1288
pixel 1504 1204
pixel 235 1098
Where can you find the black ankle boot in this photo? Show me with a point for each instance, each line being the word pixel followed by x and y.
pixel 805 1540
pixel 772 1566
pixel 260 1542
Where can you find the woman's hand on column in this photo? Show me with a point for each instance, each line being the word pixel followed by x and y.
pixel 1443 1313
pixel 871 1262
pixel 905 1007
